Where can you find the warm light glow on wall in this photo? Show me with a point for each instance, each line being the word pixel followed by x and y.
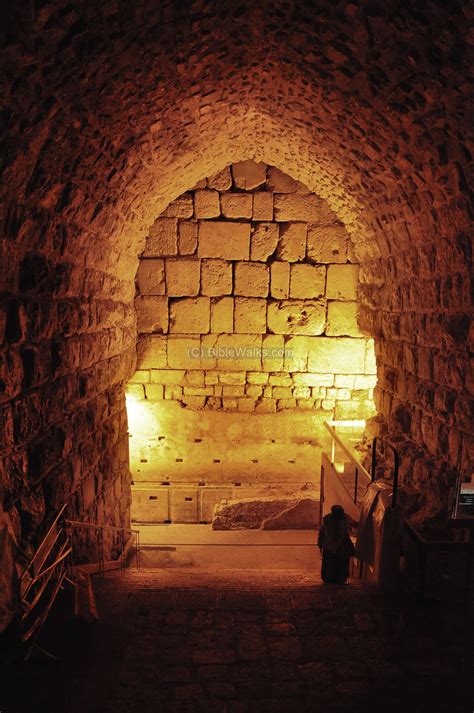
pixel 141 418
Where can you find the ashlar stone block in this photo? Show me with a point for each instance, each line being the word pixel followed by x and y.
pixel 280 182
pixel 162 239
pixel 251 279
pixel 327 244
pixel 236 205
pixel 342 282
pixel 152 352
pixel 225 240
pixel 151 277
pixel 221 181
pixel 182 277
pixel 216 277
pixel 167 376
pixel 208 351
pixel 292 244
pixel 337 355
pixel 249 175
pixel 307 281
pixel 263 206
pixel 190 316
pixel 257 377
pixel 184 352
pixel 273 353
pixel 206 204
pixel 297 317
pixel 342 320
pixel 222 315
pixel 264 241
pixel 296 354
pixel 187 237
pixel 280 280
pixel 182 207
pixel 312 379
pixel 152 314
pixel 250 315
pixel 239 352
pixel 294 206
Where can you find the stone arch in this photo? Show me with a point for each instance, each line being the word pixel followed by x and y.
pixel 112 111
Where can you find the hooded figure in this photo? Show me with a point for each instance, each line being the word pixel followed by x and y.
pixel 336 545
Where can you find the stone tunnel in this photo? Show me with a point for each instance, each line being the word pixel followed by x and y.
pixel 256 215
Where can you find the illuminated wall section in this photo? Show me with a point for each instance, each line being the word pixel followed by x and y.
pixel 247 301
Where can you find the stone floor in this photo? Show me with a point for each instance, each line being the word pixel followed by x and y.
pixel 270 642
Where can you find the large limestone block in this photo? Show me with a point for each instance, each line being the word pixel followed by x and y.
pixel 152 314
pixel 220 181
pixel 236 205
pixel 311 379
pixel 294 206
pixel 251 279
pixel 216 277
pixel 173 392
pixel 257 377
pixel 265 512
pixel 370 357
pixel 292 244
pixel 342 320
pixel 208 351
pixel 222 315
pixel 239 352
pixel 296 354
pixel 337 355
pixel 231 378
pixel 151 352
pixel 262 206
pixel 187 237
pixel 250 315
pixel 327 244
pixel 182 207
pixel 342 282
pixel 298 515
pixel 225 240
pixel 167 376
pixel 264 241
pixel 151 277
pixel 273 353
pixel 307 281
pixel 206 204
pixel 249 175
pixel 280 182
pixel 154 392
pixel 297 317
pixel 280 280
pixel 184 352
pixel 190 316
pixel 182 277
pixel 162 239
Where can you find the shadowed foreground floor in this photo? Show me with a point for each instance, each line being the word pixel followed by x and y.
pixel 267 644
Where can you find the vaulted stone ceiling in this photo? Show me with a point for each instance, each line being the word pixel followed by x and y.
pixel 110 110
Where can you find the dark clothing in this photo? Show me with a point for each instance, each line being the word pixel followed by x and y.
pixel 337 548
pixel 335 568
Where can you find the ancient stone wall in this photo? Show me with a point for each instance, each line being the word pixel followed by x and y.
pixel 111 110
pixel 247 300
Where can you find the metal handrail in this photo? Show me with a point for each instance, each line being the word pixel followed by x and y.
pixel 359 468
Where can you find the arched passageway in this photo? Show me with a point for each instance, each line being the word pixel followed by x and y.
pixel 112 111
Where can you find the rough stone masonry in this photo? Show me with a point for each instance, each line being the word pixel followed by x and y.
pixel 247 300
pixel 112 110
